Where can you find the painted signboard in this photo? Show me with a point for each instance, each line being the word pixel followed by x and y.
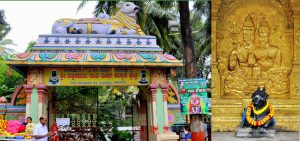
pixel 96 76
pixel 193 96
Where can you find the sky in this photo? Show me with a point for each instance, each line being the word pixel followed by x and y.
pixel 28 19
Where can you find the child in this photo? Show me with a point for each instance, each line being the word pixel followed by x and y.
pixel 188 135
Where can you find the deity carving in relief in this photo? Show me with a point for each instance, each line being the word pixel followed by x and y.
pixel 255 61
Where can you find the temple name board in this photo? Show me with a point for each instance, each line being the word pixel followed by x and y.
pixel 96 76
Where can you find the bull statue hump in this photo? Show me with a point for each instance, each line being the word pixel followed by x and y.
pixel 123 23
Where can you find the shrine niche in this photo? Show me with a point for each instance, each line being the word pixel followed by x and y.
pixel 254 46
pixel 254 49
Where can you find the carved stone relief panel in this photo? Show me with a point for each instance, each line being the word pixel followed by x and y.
pixel 254 47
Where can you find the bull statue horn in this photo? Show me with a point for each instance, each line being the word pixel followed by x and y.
pixel 264 89
pixel 258 89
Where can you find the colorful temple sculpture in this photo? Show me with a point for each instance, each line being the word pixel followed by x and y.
pixel 14 110
pixel 104 51
pixel 255 44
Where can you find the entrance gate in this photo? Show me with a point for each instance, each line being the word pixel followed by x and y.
pixel 99 60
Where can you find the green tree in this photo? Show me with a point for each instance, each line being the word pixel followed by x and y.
pixel 30 45
pixel 9 79
pixel 111 106
pixel 201 26
pixel 4 51
pixel 4 26
pixel 8 83
pixel 4 30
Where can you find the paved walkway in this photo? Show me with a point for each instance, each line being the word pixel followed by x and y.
pixel 280 136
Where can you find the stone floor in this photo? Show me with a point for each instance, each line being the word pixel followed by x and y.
pixel 280 136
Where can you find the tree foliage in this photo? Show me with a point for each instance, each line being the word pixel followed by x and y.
pixel 4 30
pixel 201 24
pixel 77 100
pixel 112 102
pixel 4 26
pixel 5 51
pixel 30 45
pixel 9 80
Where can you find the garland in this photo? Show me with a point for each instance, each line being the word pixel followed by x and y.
pixel 264 120
pixel 258 112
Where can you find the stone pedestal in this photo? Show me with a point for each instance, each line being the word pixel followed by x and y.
pixel 255 133
pixel 164 137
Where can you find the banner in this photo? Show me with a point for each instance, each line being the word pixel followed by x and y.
pixel 193 96
pixel 96 77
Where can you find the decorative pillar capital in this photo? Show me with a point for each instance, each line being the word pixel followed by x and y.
pixel 153 88
pixel 28 88
pixel 164 86
pixel 164 89
pixel 42 89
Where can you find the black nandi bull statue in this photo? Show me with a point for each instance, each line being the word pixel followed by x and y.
pixel 259 115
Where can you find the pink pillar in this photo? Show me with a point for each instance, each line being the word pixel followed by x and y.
pixel 42 91
pixel 28 90
pixel 154 127
pixel 164 88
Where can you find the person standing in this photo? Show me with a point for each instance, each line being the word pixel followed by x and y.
pixel 40 131
pixel 197 128
pixel 29 125
pixel 54 131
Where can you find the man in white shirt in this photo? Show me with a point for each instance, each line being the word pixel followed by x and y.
pixel 40 131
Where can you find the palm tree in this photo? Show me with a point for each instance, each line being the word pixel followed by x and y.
pixel 4 29
pixel 156 23
pixel 202 34
pixel 4 51
pixel 4 26
pixel 187 39
pixel 30 45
